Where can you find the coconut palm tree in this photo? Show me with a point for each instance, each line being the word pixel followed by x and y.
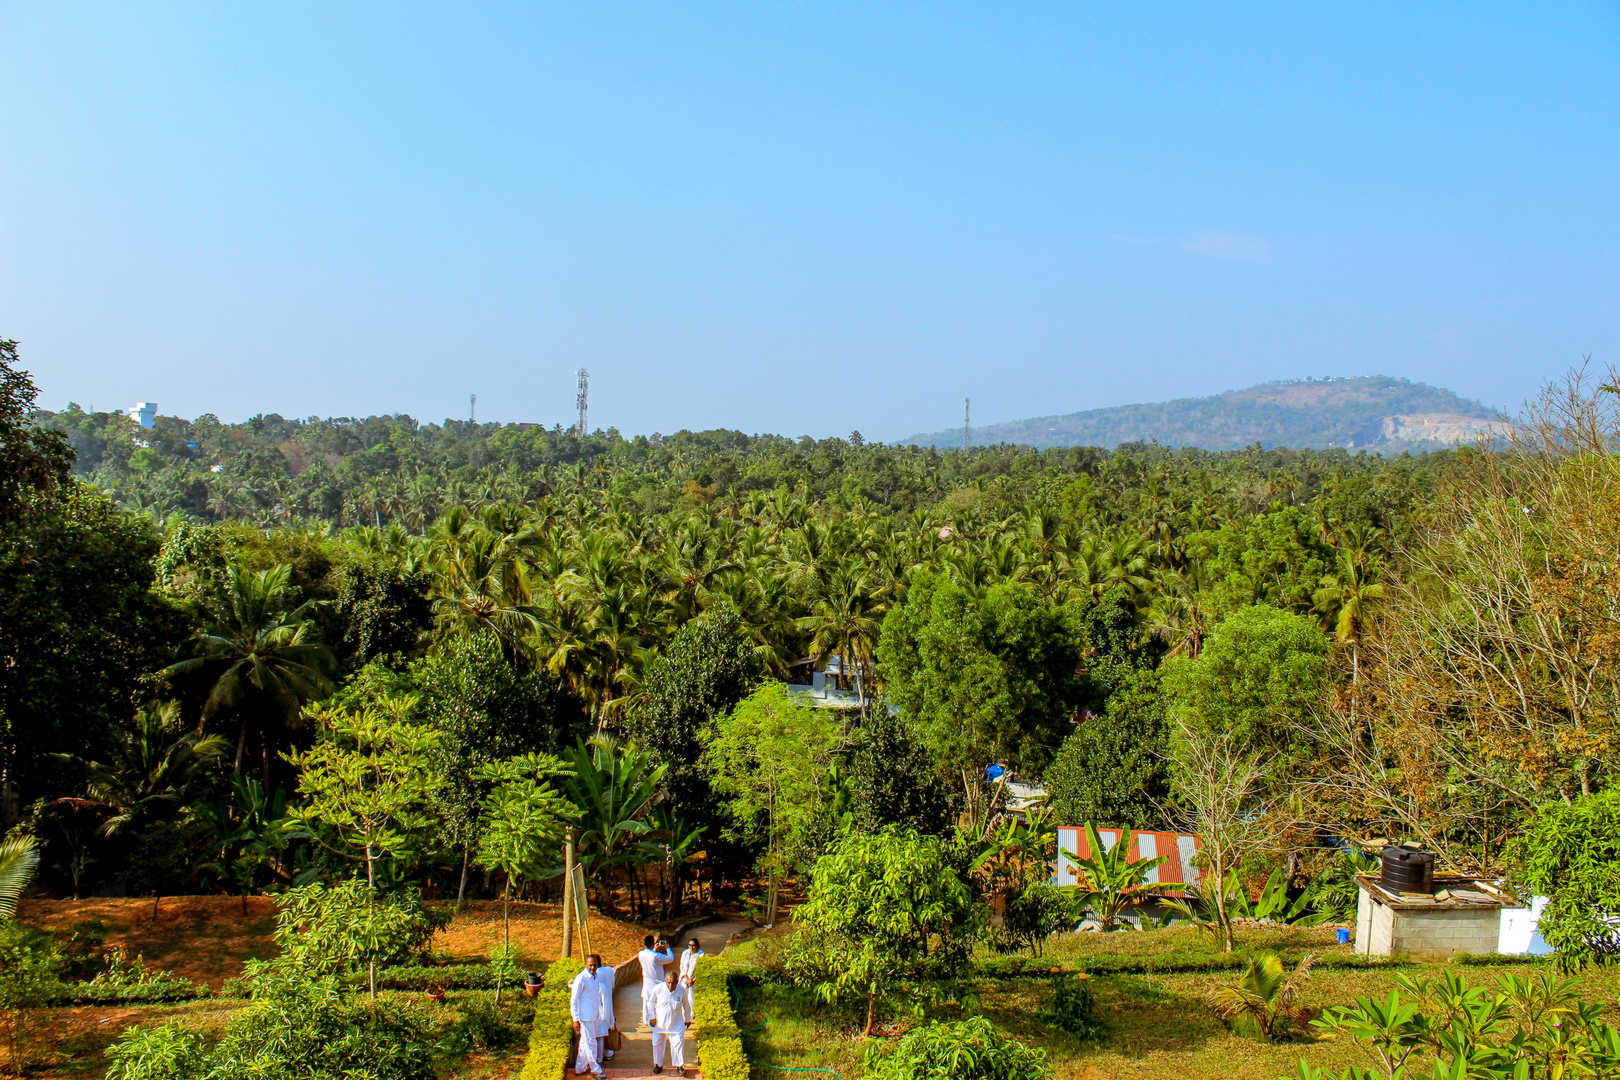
pixel 260 653
pixel 1349 597
pixel 151 766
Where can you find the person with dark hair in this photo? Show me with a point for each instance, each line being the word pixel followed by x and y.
pixel 671 1013
pixel 588 1007
pixel 689 959
pixel 653 956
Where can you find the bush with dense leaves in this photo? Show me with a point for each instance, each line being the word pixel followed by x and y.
pixel 1570 853
pixel 1072 1008
pixel 974 1049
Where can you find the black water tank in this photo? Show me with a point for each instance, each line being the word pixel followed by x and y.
pixel 1407 870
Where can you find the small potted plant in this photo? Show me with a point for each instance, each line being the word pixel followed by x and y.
pixel 532 982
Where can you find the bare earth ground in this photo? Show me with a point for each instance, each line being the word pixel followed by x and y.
pixel 208 938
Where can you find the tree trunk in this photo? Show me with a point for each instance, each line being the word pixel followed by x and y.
pixel 871 1013
pixel 461 890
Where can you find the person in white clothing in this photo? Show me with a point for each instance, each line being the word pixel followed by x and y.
pixel 652 973
pixel 589 1011
pixel 671 1013
pixel 689 959
pixel 605 976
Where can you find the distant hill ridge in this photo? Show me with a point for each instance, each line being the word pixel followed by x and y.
pixel 1376 413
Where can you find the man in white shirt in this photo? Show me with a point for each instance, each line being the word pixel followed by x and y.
pixel 689 959
pixel 672 1011
pixel 652 973
pixel 605 976
pixel 589 1011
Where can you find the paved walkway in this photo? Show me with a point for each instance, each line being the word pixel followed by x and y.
pixel 634 1059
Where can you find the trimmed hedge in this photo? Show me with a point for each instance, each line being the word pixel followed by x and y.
pixel 1013 967
pixel 450 976
pixel 720 1049
pixel 152 993
pixel 551 1040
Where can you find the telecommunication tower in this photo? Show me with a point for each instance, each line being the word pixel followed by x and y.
pixel 472 408
pixel 966 429
pixel 583 400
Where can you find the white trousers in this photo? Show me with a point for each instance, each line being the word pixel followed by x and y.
pixel 648 987
pixel 589 1058
pixel 676 1042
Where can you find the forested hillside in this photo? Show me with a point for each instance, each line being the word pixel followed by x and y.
pixel 1373 412
pixel 1376 635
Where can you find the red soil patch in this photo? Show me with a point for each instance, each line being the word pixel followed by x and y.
pixel 208 938
pixel 204 938
pixel 536 931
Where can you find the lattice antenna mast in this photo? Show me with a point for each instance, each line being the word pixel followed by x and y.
pixel 967 428
pixel 583 400
pixel 472 408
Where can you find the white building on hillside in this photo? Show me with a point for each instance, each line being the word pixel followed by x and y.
pixel 144 414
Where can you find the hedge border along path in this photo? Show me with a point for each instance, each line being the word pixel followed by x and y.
pixel 720 1049
pixel 552 1037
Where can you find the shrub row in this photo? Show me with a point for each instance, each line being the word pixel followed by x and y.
pixel 1172 964
pixel 720 1049
pixel 551 1040
pixel 151 993
pixel 450 976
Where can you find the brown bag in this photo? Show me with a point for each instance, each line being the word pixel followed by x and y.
pixel 614 1040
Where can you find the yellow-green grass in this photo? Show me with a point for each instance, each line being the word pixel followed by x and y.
pixel 1157 1026
pixel 1189 941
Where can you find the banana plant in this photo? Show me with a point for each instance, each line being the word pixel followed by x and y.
pixel 1114 881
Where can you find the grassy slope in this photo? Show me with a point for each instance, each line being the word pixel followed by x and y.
pixel 1157 1026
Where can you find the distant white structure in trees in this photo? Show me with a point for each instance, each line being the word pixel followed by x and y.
pixel 144 414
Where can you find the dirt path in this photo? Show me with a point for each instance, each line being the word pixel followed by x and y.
pixel 634 1059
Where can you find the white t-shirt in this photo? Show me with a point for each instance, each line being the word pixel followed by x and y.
pixel 652 964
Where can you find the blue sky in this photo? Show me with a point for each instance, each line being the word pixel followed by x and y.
pixel 800 218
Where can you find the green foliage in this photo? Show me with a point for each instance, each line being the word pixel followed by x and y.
pixel 883 911
pixel 524 816
pixel 503 967
pixel 981 678
pixel 165 1052
pixel 707 668
pixel 30 979
pixel 19 858
pixel 367 784
pixel 80 629
pixel 614 788
pixel 1262 1004
pixel 1035 914
pixel 768 759
pixel 259 654
pixel 1113 881
pixel 1570 853
pixel 298 1027
pixel 34 461
pixel 1529 1026
pixel 1072 1009
pixel 1259 676
pixel 383 609
pixel 893 780
pixel 551 1041
pixel 972 1049
pixel 333 930
pixel 1111 767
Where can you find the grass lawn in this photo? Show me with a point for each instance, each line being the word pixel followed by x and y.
pixel 1157 1026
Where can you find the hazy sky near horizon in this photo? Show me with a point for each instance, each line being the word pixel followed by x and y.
pixel 804 218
